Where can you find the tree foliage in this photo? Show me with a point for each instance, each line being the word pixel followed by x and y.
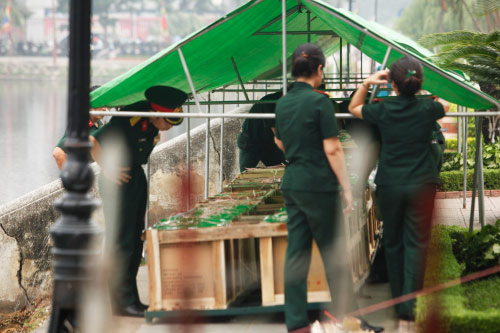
pixel 476 54
pixel 424 17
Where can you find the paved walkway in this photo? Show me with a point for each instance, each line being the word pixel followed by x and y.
pixel 448 212
pixel 451 211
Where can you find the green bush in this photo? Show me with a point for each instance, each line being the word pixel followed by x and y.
pixel 454 180
pixel 453 145
pixel 491 158
pixel 478 250
pixel 455 308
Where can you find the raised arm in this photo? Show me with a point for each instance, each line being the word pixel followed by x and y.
pixel 358 100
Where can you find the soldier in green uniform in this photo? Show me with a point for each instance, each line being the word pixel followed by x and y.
pixel 407 175
pixel 95 122
pixel 306 130
pixel 256 139
pixel 139 136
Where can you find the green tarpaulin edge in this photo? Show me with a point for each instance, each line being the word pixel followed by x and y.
pixel 456 89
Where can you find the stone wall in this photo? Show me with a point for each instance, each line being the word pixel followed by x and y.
pixel 25 271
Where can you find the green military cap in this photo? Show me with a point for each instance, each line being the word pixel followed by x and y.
pixel 166 99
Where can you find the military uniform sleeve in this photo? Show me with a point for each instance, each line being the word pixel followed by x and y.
pixel 60 144
pixel 438 110
pixel 269 108
pixel 371 112
pixel 276 124
pixel 327 121
pixel 114 124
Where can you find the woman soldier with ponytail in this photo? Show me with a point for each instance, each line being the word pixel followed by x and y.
pixel 306 130
pixel 407 173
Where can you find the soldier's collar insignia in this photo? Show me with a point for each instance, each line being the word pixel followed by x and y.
pixel 134 121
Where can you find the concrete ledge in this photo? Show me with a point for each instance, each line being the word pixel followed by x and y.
pixel 25 222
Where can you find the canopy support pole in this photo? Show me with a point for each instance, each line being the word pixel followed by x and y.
pixel 341 65
pixel 480 173
pixel 283 41
pixel 309 26
pixel 188 158
pixel 207 151
pixel 188 141
pixel 478 170
pixel 239 78
pixel 190 81
pixel 465 123
pixel 348 62
pixel 221 171
pixel 384 64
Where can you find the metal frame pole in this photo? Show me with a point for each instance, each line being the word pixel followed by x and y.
pixel 207 152
pixel 221 172
pixel 190 81
pixel 464 153
pixel 188 158
pixel 459 130
pixel 384 64
pixel 197 102
pixel 475 177
pixel 480 174
pixel 283 42
pixel 239 78
pixel 75 231
pixel 308 26
pixel 341 64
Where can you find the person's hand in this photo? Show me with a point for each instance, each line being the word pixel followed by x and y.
pixel 347 200
pixel 120 176
pixel 380 77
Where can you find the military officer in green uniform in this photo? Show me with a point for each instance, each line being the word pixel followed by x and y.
pixel 407 174
pixel 306 130
pixel 256 139
pixel 95 122
pixel 438 145
pixel 139 136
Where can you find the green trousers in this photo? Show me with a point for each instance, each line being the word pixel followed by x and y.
pixel 318 216
pixel 124 225
pixel 407 215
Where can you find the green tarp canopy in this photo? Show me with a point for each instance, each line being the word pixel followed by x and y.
pixel 250 38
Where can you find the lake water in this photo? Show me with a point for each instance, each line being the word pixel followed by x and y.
pixel 33 118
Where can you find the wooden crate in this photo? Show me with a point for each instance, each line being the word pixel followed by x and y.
pixel 272 260
pixel 205 268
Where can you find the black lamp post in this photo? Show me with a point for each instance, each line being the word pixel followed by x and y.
pixel 75 231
